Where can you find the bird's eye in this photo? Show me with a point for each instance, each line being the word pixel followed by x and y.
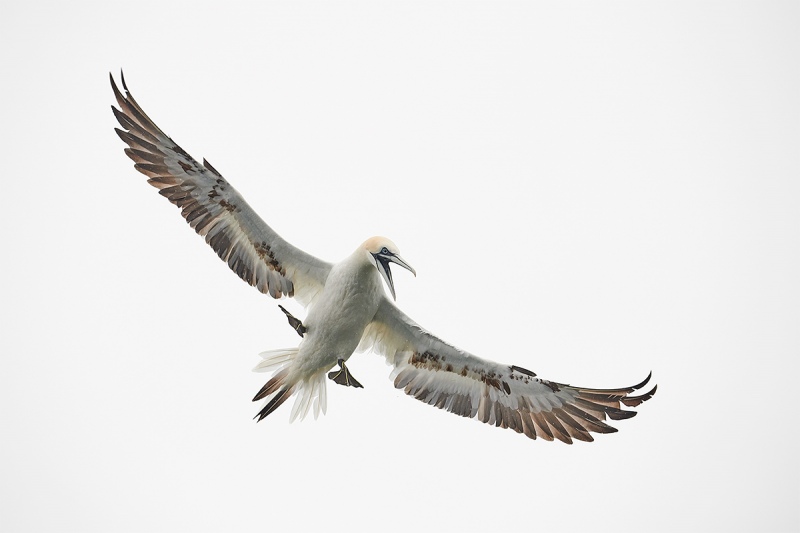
pixel 385 251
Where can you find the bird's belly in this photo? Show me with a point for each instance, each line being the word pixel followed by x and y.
pixel 336 323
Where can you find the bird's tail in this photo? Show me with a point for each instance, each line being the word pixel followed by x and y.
pixel 284 384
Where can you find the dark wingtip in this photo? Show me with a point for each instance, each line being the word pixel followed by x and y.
pixel 643 383
pixel 620 414
pixel 633 401
pixel 122 77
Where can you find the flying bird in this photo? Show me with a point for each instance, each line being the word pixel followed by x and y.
pixel 348 310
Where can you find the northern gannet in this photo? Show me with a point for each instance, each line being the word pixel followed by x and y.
pixel 349 311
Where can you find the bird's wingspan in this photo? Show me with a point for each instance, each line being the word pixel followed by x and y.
pixel 253 250
pixel 508 396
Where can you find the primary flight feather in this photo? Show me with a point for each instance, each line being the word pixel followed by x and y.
pixel 351 311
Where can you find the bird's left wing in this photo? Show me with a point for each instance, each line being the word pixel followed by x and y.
pixel 216 211
pixel 507 396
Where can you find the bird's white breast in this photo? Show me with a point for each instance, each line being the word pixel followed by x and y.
pixel 337 320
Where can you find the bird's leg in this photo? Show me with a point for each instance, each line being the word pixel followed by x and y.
pixel 344 377
pixel 294 322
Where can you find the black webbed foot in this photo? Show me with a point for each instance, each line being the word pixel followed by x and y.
pixel 344 377
pixel 294 322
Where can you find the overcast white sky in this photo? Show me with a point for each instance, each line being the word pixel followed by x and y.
pixel 589 190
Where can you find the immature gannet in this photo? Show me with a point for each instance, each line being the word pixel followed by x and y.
pixel 348 310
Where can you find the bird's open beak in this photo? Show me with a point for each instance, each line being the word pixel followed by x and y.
pixel 383 262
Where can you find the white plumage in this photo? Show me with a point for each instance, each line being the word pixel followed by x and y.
pixel 349 311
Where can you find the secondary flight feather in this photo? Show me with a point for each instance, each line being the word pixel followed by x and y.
pixel 349 311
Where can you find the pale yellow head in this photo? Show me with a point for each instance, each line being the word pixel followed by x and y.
pixel 383 252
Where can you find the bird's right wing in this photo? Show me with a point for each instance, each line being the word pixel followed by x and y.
pixel 508 396
pixel 253 250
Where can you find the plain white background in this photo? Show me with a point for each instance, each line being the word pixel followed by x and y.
pixel 589 190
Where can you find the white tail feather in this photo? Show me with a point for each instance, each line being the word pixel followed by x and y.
pixel 275 358
pixel 323 397
pixel 308 392
pixel 311 391
pixel 321 401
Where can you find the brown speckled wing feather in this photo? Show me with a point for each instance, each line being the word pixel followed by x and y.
pixel 214 209
pixel 507 396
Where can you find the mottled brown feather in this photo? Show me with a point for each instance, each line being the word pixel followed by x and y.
pixel 214 209
pixel 569 413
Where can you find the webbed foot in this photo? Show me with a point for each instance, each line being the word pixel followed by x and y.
pixel 344 377
pixel 294 322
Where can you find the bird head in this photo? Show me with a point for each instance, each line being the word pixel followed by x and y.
pixel 383 252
